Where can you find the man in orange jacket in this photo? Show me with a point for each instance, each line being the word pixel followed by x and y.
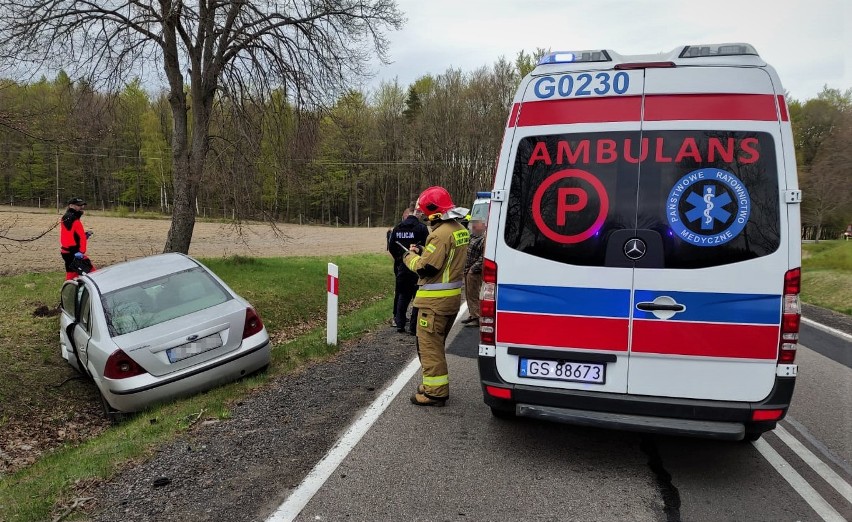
pixel 72 240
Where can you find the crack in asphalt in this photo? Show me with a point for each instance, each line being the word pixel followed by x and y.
pixel 669 492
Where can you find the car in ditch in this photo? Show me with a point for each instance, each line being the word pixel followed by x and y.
pixel 155 328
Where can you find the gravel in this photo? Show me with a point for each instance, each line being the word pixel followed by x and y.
pixel 830 318
pixel 242 468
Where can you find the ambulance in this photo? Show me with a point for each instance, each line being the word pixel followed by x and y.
pixel 642 260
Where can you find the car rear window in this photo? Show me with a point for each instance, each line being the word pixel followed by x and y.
pixel 712 197
pixel 159 300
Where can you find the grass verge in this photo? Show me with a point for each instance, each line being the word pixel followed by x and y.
pixel 289 293
pixel 827 275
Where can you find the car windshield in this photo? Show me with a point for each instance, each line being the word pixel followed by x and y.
pixel 479 212
pixel 159 300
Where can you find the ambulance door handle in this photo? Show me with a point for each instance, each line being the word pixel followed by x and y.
pixel 651 307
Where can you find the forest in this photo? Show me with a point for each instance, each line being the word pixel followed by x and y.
pixel 357 162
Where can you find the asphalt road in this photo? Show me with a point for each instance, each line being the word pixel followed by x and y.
pixel 460 463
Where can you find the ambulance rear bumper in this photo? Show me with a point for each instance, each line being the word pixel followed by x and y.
pixel 620 421
pixel 729 420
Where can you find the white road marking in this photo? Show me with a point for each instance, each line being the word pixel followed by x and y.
pixel 827 329
pixel 808 436
pixel 300 497
pixel 824 471
pixel 805 490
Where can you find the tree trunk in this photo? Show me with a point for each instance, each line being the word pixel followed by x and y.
pixel 183 212
pixel 188 164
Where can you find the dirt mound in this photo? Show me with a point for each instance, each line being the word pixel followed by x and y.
pixel 44 311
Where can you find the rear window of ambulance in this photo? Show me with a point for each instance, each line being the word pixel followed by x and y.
pixel 712 196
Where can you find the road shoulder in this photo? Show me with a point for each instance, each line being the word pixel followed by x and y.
pixel 242 468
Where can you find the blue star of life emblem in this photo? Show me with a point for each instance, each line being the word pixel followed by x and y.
pixel 708 207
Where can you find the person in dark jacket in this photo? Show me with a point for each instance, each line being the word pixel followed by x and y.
pixel 409 232
pixel 72 240
pixel 473 271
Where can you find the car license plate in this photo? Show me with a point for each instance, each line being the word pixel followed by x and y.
pixel 184 351
pixel 594 373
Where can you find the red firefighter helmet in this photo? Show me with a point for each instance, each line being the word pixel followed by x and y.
pixel 435 200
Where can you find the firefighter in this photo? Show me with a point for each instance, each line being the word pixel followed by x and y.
pixel 72 240
pixel 440 266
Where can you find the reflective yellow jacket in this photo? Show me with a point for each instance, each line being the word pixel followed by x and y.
pixel 441 268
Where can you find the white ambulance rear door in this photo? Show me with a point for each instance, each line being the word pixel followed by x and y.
pixel 706 305
pixel 562 311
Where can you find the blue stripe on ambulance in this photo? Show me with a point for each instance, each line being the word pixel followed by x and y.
pixel 557 300
pixel 711 307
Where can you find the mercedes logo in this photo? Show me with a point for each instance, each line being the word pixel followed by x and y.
pixel 635 248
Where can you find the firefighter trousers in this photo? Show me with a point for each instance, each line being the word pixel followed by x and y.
pixel 432 331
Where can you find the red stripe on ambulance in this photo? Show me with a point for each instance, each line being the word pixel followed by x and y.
pixel 705 339
pixel 583 110
pixel 756 107
pixel 513 116
pixel 759 107
pixel 782 106
pixel 563 331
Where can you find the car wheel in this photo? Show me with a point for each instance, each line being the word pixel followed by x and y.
pixel 113 416
pixel 502 414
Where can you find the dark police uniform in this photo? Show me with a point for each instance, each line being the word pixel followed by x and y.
pixel 409 231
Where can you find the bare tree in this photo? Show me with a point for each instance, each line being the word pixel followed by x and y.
pixel 208 50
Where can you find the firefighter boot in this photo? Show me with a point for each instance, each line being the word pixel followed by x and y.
pixel 420 399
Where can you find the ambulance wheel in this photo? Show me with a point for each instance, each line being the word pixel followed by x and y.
pixel 752 436
pixel 502 414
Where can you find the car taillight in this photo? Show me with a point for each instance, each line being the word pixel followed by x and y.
pixel 488 302
pixel 119 365
pixel 253 323
pixel 790 317
pixel 500 393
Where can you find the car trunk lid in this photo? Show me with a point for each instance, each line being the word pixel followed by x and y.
pixel 186 341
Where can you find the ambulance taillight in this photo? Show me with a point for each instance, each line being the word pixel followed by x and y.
pixel 488 302
pixel 790 317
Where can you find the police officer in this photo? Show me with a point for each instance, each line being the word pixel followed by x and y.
pixel 409 232
pixel 440 266
pixel 473 271
pixel 72 240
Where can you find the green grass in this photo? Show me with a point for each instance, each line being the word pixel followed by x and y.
pixel 285 291
pixel 827 275
pixel 29 346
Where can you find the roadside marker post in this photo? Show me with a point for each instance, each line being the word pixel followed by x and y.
pixel 333 289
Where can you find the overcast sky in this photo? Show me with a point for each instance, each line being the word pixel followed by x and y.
pixel 807 41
